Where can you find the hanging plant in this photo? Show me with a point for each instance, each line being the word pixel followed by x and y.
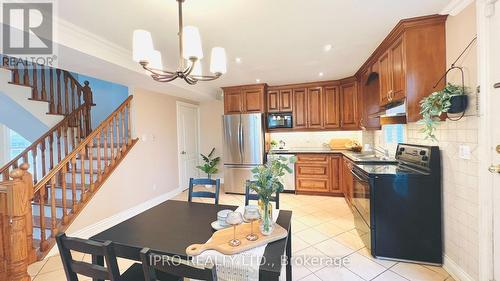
pixel 437 103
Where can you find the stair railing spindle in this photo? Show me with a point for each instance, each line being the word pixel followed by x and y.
pixel 73 183
pixel 64 203
pixel 34 94
pixel 91 162
pixel 82 167
pixel 52 104
pixel 43 237
pixel 59 94
pixel 129 137
pixel 99 174
pixel 53 214
pixel 44 91
pixel 66 94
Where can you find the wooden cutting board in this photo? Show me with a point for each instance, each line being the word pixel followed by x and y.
pixel 220 240
pixel 339 143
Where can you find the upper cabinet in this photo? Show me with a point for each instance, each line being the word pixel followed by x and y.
pixel 315 108
pixel 279 100
pixel 409 61
pixel 349 105
pixel 299 108
pixel 369 93
pixel 244 99
pixel 331 105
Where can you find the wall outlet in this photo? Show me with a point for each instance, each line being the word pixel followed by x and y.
pixel 464 152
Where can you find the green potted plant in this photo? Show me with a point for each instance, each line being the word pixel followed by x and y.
pixel 211 163
pixel 452 99
pixel 267 181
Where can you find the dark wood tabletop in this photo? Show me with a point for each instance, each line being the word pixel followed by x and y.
pixel 172 226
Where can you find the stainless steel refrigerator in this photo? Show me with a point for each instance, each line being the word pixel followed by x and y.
pixel 243 149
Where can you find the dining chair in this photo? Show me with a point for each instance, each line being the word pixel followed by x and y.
pixel 154 264
pixel 253 196
pixel 111 272
pixel 204 194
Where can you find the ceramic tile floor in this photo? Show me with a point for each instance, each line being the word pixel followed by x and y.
pixel 322 227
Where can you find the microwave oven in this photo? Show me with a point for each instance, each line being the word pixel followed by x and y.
pixel 279 120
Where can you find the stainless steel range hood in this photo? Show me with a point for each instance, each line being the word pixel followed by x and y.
pixel 392 114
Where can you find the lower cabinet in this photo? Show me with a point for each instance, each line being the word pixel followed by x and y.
pixel 347 179
pixel 318 174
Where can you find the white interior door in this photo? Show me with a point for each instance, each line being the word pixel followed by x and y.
pixel 188 139
pixel 494 104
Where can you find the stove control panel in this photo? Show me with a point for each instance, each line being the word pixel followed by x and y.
pixel 414 155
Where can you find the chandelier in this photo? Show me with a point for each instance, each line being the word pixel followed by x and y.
pixel 190 54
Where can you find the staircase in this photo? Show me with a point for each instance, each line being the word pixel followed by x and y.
pixel 47 185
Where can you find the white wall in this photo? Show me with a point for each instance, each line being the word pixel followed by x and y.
pixel 211 133
pixel 149 171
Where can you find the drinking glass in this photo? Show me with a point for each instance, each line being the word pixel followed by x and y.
pixel 251 214
pixel 234 219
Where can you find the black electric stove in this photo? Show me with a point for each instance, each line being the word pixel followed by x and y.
pixel 399 205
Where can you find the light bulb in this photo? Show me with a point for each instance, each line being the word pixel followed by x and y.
pixel 192 43
pixel 218 61
pixel 156 60
pixel 142 45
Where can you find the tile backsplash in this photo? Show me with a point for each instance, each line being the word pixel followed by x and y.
pixel 314 139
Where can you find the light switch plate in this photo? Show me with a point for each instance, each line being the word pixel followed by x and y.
pixel 464 152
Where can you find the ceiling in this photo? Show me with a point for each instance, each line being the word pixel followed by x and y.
pixel 278 41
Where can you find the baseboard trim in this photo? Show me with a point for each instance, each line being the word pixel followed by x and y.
pixel 455 270
pixel 106 223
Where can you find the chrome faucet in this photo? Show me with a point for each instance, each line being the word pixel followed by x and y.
pixel 383 151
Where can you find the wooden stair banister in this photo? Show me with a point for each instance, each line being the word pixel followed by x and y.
pixel 16 245
pixel 78 165
pixel 62 91
pixel 46 142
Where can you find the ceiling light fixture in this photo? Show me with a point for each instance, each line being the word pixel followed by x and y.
pixel 327 47
pixel 237 60
pixel 257 80
pixel 190 49
pixel 321 74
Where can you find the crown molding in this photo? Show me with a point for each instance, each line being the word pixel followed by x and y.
pixel 454 7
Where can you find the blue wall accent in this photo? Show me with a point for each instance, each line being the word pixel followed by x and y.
pixel 20 120
pixel 107 97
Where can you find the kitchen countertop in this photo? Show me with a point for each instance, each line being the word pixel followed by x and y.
pixel 356 157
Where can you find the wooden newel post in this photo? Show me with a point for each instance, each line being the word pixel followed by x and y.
pixel 89 102
pixel 16 203
pixel 28 180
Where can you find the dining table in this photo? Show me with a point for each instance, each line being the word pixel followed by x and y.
pixel 170 227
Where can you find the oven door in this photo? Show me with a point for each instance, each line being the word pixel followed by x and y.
pixel 361 197
pixel 361 206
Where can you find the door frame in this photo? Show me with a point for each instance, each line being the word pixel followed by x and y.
pixel 486 199
pixel 197 107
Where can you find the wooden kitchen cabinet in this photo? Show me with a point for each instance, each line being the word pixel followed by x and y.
pixel 244 99
pixel 347 179
pixel 335 169
pixel 349 106
pixel 299 109
pixel 410 60
pixel 315 108
pixel 369 92
pixel 331 107
pixel 318 174
pixel 280 100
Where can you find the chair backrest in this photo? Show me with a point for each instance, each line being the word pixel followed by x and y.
pixel 204 194
pixel 72 267
pixel 253 196
pixel 154 264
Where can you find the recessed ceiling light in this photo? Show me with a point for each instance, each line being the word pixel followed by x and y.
pixel 257 80
pixel 327 47
pixel 237 60
pixel 321 74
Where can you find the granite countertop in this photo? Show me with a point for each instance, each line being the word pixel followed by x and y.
pixel 356 157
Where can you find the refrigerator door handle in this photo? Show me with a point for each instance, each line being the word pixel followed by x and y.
pixel 240 139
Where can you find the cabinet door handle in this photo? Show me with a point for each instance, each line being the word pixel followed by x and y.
pixel 497 85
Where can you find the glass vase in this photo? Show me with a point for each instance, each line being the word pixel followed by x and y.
pixel 266 222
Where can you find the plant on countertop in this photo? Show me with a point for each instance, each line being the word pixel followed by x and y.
pixel 211 163
pixel 274 144
pixel 434 105
pixel 268 181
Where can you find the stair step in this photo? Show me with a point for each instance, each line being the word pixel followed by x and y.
pixel 68 186
pixel 59 203
pixel 21 84
pixel 41 100
pixel 78 171
pixel 48 222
